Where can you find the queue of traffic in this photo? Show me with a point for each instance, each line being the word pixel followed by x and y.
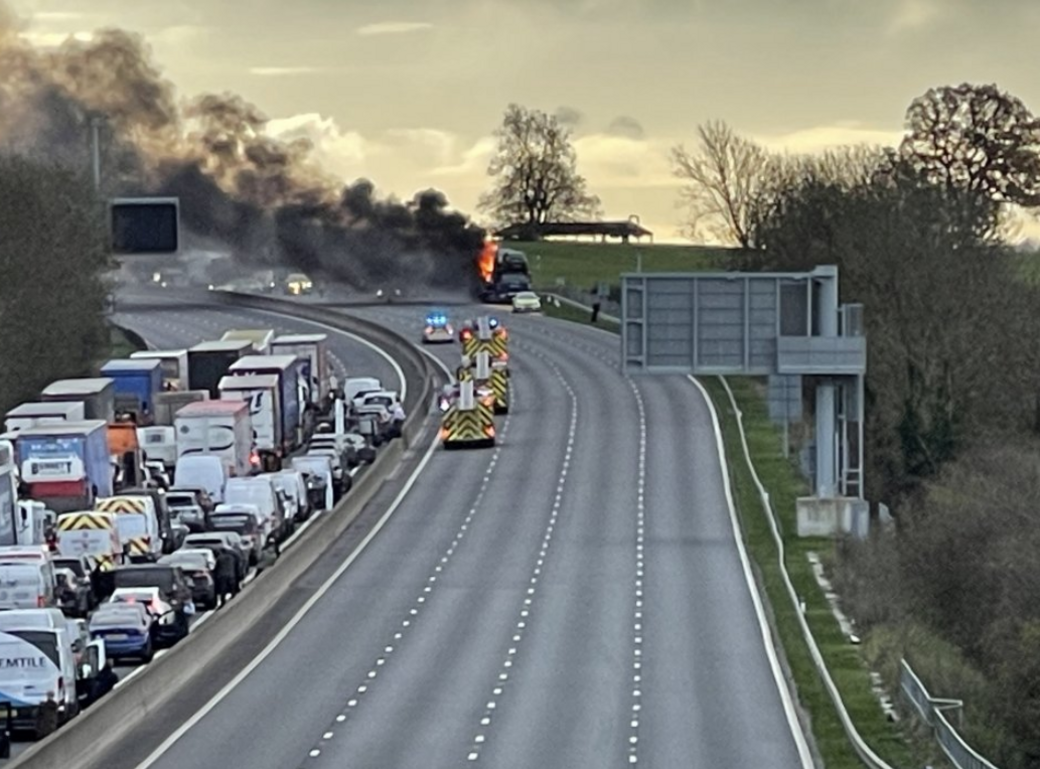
pixel 132 501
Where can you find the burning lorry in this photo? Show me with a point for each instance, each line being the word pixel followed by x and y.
pixel 504 273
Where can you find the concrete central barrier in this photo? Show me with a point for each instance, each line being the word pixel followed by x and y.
pixel 123 712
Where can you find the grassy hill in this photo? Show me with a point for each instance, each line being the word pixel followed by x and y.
pixel 584 265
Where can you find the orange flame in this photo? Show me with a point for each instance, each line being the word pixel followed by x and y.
pixel 486 260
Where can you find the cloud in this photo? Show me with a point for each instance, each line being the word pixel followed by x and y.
pixel 912 14
pixel 282 71
pixel 342 153
pixel 56 16
pixel 54 39
pixel 626 126
pixel 820 138
pixel 471 162
pixel 393 28
pixel 612 161
pixel 570 117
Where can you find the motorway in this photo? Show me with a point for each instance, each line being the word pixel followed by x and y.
pixel 572 598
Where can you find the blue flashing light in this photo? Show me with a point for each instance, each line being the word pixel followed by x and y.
pixel 436 319
pixel 493 322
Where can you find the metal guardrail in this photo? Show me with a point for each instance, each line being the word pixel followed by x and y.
pixel 863 750
pixel 931 711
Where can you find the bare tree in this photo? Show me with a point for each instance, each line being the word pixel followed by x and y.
pixel 723 179
pixel 976 138
pixel 535 171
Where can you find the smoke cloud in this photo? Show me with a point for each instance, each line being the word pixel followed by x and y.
pixel 262 197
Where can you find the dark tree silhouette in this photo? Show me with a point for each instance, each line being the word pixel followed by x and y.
pixel 535 172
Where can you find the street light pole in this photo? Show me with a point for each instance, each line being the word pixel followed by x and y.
pixel 95 137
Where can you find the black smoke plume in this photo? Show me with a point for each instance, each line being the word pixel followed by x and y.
pixel 264 198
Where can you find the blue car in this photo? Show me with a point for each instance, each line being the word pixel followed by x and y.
pixel 126 629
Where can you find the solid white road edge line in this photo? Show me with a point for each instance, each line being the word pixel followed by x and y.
pixel 793 723
pixel 402 392
pixel 285 631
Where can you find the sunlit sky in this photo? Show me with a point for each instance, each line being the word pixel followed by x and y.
pixel 407 92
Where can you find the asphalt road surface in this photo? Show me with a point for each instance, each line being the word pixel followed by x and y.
pixel 571 598
pixel 162 320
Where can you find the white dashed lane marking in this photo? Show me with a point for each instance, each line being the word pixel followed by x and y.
pixel 527 604
pixel 355 700
pixel 638 624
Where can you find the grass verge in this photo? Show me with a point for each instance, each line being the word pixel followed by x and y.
pixel 585 265
pixel 894 743
pixel 844 661
pixel 567 312
pixel 122 342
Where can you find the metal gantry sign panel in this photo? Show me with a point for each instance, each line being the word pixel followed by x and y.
pixel 735 323
pixel 785 326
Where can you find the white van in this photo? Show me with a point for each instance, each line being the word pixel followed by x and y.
pixel 292 484
pixel 258 490
pixel 202 471
pixel 25 585
pixel 36 657
pixel 138 523
pixel 320 466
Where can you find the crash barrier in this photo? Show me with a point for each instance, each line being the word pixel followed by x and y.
pixel 931 710
pixel 124 711
pixel 863 750
pixel 413 363
pixel 579 306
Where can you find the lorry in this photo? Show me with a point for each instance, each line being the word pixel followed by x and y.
pixel 167 404
pixel 260 338
pixel 159 440
pixel 98 396
pixel 221 428
pixel 208 362
pixel 293 383
pixel 510 274
pixel 263 394
pixel 174 366
pixel 66 466
pixel 314 349
pixel 32 414
pixel 137 382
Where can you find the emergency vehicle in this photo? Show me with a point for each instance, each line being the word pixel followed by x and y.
pixel 469 419
pixel 438 329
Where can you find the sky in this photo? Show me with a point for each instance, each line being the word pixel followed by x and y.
pixel 408 92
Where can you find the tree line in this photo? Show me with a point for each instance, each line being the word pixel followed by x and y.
pixel 921 235
pixel 53 260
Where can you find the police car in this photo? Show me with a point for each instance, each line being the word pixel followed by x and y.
pixel 438 330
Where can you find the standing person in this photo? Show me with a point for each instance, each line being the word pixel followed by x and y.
pixel 595 309
pixel 225 577
pixel 47 719
pixel 398 416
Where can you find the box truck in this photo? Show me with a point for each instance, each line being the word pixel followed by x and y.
pixel 263 394
pixel 174 366
pixel 98 396
pixel 259 338
pixel 220 428
pixel 292 381
pixel 137 382
pixel 314 349
pixel 66 466
pixel 32 414
pixel 209 361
